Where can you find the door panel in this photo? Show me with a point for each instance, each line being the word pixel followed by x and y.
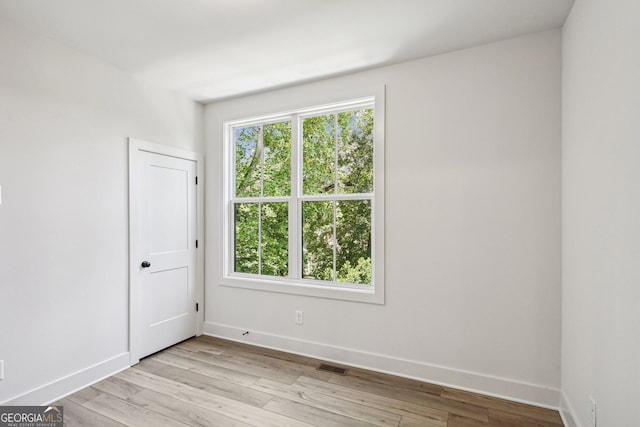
pixel 168 197
pixel 169 295
pixel 163 222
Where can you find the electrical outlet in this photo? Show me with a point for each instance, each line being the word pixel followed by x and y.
pixel 1 369
pixel 592 413
pixel 299 317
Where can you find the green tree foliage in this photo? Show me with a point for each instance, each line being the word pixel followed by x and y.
pixel 246 238
pixel 355 153
pixel 248 159
pixel 353 236
pixel 277 159
pixel 268 174
pixel 317 240
pixel 262 226
pixel 318 155
pixel 275 239
pixel 337 158
pixel 263 168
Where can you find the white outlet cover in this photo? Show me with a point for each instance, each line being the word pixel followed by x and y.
pixel 1 369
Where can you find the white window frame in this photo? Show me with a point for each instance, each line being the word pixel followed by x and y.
pixel 373 293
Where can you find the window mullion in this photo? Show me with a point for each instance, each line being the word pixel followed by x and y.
pixel 260 238
pixel 261 148
pixel 335 242
pixel 230 193
pixel 295 232
pixel 335 154
pixel 335 192
pixel 330 197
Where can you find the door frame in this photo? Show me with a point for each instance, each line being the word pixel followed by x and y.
pixel 136 146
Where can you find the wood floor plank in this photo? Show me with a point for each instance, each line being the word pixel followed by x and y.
pixel 202 345
pixel 252 349
pixel 533 412
pixel 116 387
pixel 183 360
pixel 399 407
pixel 76 415
pixel 427 399
pixel 460 421
pixel 407 421
pixel 129 414
pixel 214 341
pixel 265 367
pixel 273 361
pixel 245 365
pixel 297 393
pixel 182 411
pixel 399 382
pixel 220 404
pixel 83 395
pixel 312 414
pixel 502 418
pixel 202 382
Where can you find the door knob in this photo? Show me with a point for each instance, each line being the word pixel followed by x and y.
pixel 145 264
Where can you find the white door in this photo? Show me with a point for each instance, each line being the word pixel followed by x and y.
pixel 163 258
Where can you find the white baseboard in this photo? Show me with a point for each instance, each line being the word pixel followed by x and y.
pixel 485 384
pixel 65 386
pixel 567 413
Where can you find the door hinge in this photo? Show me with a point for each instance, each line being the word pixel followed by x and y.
pixel 196 180
pixel 196 244
pixel 197 307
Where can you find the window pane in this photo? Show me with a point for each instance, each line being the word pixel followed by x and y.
pixel 319 153
pixel 355 151
pixel 275 239
pixel 353 230
pixel 248 153
pixel 277 159
pixel 317 240
pixel 246 238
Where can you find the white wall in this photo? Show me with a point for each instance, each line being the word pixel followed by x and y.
pixel 601 213
pixel 472 226
pixel 64 123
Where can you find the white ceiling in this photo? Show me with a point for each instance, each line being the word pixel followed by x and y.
pixel 214 49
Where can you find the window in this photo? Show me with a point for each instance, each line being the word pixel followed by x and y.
pixel 304 202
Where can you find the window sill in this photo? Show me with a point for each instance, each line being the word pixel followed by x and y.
pixel 285 286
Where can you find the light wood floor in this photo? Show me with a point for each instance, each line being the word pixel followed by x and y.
pixel 212 382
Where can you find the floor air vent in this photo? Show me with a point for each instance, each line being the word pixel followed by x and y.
pixel 332 369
